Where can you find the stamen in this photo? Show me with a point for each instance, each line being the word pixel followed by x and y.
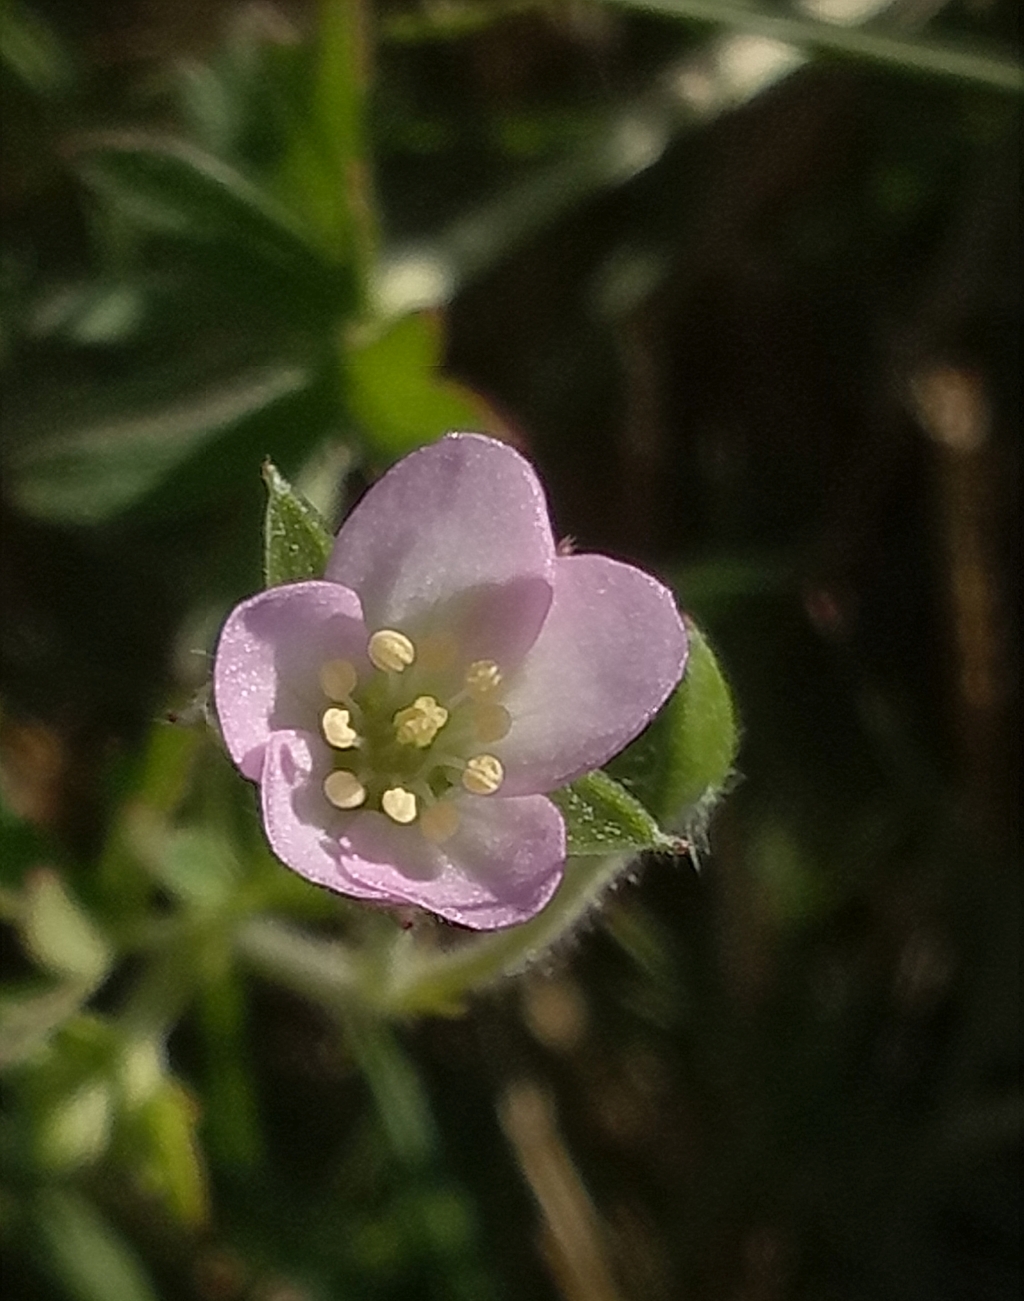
pixel 390 651
pixel 420 722
pixel 483 678
pixel 440 821
pixel 399 804
pixel 344 789
pixel 338 679
pixel 483 775
pixel 491 722
pixel 437 652
pixel 338 730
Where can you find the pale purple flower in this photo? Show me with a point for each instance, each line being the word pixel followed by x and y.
pixel 406 716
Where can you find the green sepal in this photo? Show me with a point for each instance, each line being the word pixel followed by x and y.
pixel 683 761
pixel 296 541
pixel 602 817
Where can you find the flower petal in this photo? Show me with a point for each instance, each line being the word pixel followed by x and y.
pixel 303 828
pixel 463 513
pixel 611 650
pixel 499 868
pixel 268 657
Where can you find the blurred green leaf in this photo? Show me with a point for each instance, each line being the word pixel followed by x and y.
pixel 296 541
pixel 602 817
pixel 325 171
pixel 897 50
pixel 170 186
pixel 683 760
pixel 398 395
pixel 32 50
pixel 28 1018
pixel 164 1145
pixel 58 932
pixel 99 470
pixel 198 866
pixel 86 1253
pixel 75 1129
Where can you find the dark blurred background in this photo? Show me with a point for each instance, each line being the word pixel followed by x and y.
pixel 754 311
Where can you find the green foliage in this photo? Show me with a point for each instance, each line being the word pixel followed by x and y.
pixel 396 395
pixel 86 1253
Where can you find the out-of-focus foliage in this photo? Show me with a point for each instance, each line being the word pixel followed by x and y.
pixel 743 281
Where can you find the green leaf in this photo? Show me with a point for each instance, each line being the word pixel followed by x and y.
pixel 32 51
pixel 325 170
pixel 28 1019
pixel 682 762
pixel 168 186
pixel 166 1148
pixel 87 470
pixel 59 934
pixel 196 865
pixel 894 48
pixel 398 395
pixel 89 1257
pixel 602 817
pixel 296 541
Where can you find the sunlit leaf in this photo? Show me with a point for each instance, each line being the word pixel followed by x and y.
pixel 88 471
pixel 602 817
pixel 296 541
pixel 58 932
pixel 75 1130
pixel 399 395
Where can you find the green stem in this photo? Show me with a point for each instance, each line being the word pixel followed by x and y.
pixel 440 982
pixel 320 970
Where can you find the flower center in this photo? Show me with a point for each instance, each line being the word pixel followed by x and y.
pixel 408 736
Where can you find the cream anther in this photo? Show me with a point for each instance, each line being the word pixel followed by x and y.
pixel 344 789
pixel 483 678
pixel 483 775
pixel 390 651
pixel 399 804
pixel 337 679
pixel 491 722
pixel 439 822
pixel 337 729
pixel 420 722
